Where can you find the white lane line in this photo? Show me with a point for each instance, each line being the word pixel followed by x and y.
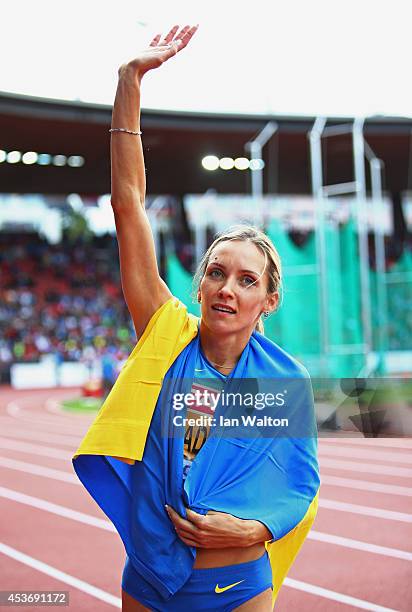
pixel 369 455
pixel 116 601
pixel 323 502
pixel 329 538
pixel 389 515
pixel 42 504
pixel 349 466
pixel 55 425
pixel 398 443
pixel 14 410
pixel 39 470
pixel 331 504
pixel 369 468
pixel 328 594
pixel 40 436
pixel 55 407
pixel 108 526
pixel 49 570
pixel 35 449
pixel 366 485
pixel 16 413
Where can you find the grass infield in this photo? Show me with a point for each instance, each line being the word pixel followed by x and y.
pixel 83 404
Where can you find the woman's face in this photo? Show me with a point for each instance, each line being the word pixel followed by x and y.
pixel 231 293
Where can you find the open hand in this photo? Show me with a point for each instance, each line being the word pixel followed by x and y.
pixel 217 529
pixel 160 50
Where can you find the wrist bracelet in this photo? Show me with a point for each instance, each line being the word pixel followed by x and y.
pixel 124 130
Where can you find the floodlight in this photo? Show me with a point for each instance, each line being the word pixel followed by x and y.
pixel 29 158
pixel 241 163
pixel 13 157
pixel 210 162
pixel 44 159
pixel 75 161
pixel 59 160
pixel 256 164
pixel 227 163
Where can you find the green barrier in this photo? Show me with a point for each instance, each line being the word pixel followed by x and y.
pixel 180 283
pixel 296 325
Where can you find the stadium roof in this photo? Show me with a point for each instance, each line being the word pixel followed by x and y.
pixel 174 145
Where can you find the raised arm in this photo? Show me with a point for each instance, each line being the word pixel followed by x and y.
pixel 143 289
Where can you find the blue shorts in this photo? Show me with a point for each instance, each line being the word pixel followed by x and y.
pixel 217 588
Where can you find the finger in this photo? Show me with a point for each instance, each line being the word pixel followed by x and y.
pixel 187 36
pixel 183 525
pixel 155 41
pixel 172 512
pixel 190 542
pixel 170 35
pixel 195 518
pixel 177 520
pixel 179 37
pixel 182 32
pixel 188 532
pixel 188 528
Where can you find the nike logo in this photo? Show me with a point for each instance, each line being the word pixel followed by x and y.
pixel 219 589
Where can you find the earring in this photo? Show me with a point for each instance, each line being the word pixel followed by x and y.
pixel 266 314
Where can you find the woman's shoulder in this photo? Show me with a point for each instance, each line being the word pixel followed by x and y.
pixel 173 311
pixel 171 321
pixel 169 330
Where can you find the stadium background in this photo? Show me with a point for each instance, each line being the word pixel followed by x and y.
pixel 334 197
pixel 366 321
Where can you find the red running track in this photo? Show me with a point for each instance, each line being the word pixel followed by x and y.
pixel 54 537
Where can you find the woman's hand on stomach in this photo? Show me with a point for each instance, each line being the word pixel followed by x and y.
pixel 220 538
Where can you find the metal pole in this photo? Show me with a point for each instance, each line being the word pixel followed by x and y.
pixel 256 176
pixel 151 215
pixel 382 299
pixel 361 217
pixel 317 188
pixel 254 149
pixel 200 242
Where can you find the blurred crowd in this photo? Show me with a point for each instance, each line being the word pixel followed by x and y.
pixel 66 300
pixel 62 299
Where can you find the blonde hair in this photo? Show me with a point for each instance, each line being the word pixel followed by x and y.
pixel 248 233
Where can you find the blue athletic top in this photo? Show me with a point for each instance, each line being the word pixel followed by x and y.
pixel 206 379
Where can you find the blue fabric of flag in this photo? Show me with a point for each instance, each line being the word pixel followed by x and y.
pixel 273 479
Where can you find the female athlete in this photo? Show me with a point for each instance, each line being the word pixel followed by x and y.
pixel 209 520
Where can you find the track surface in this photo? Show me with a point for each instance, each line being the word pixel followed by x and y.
pixel 54 537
